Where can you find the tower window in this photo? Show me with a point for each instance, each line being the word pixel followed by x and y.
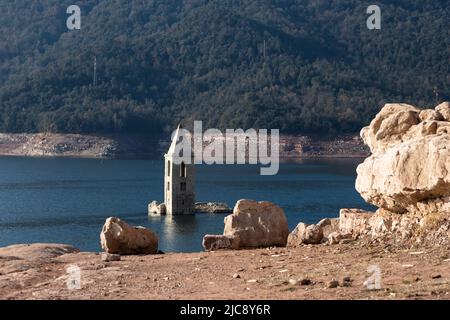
pixel 168 186
pixel 168 168
pixel 183 170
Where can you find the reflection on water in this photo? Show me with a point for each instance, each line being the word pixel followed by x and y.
pixel 68 200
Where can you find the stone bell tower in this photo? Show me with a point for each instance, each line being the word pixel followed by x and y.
pixel 179 182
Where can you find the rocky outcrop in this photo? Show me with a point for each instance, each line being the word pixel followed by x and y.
pixel 383 225
pixel 409 169
pixel 36 251
pixel 257 224
pixel 117 237
pixel 155 208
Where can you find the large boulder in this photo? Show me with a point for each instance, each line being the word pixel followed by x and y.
pixel 118 237
pixel 409 169
pixel 257 224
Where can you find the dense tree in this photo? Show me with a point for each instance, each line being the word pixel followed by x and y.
pixel 301 66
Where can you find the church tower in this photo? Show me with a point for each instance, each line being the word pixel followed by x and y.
pixel 179 182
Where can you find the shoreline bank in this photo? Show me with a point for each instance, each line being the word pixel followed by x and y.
pixel 134 146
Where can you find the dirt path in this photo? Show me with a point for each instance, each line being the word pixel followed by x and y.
pixel 275 273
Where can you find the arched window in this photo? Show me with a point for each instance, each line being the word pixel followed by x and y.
pixel 183 170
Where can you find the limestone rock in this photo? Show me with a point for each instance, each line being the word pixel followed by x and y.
pixel 409 169
pixel 313 234
pixel 354 221
pixel 336 237
pixel 328 226
pixel 444 110
pixel 220 242
pixel 305 234
pixel 430 114
pixel 383 225
pixel 257 224
pixel 389 125
pixel 296 237
pixel 155 208
pixel 117 237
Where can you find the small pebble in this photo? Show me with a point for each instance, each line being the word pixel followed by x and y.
pixel 305 282
pixel 333 284
pixel 108 257
pixel 346 282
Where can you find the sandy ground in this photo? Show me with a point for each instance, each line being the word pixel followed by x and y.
pixel 275 273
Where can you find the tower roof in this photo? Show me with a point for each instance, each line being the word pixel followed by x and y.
pixel 175 139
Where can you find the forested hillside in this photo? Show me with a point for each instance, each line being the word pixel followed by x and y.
pixel 304 66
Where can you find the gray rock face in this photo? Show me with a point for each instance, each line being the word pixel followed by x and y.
pixel 117 237
pixel 257 224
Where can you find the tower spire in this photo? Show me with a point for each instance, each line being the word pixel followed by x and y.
pixel 176 137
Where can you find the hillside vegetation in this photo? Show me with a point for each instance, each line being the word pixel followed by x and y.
pixel 161 62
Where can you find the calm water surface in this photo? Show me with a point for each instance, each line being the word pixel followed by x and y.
pixel 68 200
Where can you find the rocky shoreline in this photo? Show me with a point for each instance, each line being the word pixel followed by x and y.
pixel 400 251
pixel 153 146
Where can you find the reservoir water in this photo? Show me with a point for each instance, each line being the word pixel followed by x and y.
pixel 67 200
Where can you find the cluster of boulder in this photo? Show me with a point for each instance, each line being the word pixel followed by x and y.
pixel 263 224
pixel 407 177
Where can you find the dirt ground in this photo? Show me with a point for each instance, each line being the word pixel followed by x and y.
pixel 274 273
